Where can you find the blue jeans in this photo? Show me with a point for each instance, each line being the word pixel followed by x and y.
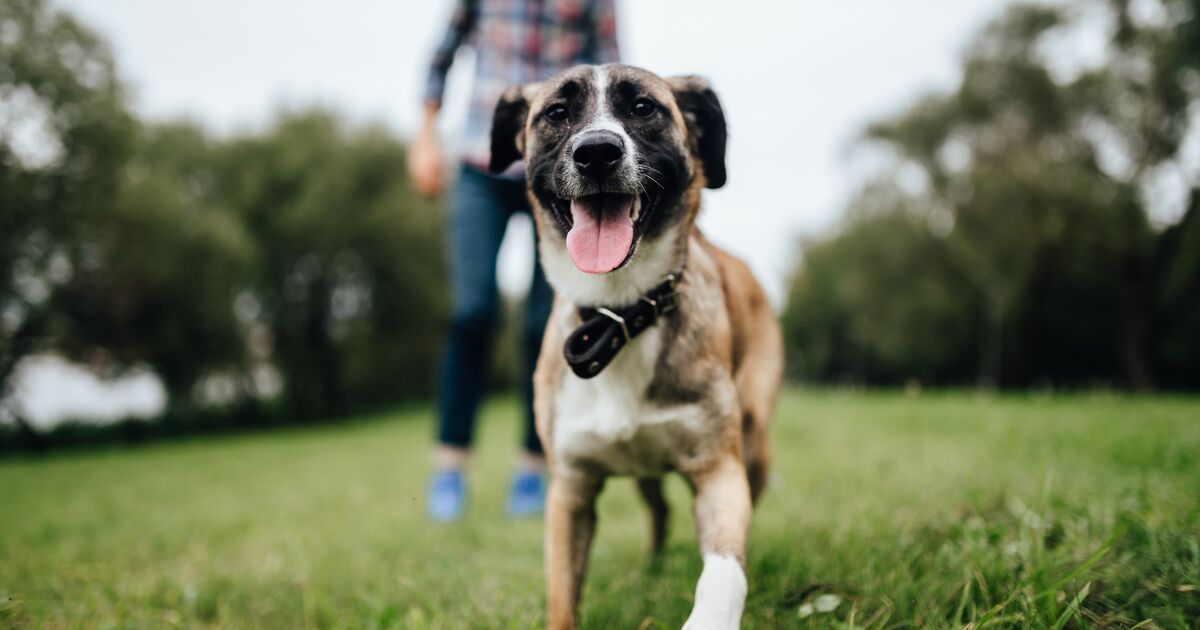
pixel 480 207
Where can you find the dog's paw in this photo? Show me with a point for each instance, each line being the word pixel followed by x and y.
pixel 720 595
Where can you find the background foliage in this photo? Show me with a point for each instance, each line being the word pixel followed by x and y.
pixel 1011 243
pixel 289 271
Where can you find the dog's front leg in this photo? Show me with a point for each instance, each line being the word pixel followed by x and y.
pixel 570 522
pixel 722 510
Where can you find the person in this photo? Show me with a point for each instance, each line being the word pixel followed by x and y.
pixel 516 42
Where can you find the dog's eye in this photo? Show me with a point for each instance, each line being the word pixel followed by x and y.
pixel 643 108
pixel 555 113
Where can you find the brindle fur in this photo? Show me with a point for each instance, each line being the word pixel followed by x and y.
pixel 722 343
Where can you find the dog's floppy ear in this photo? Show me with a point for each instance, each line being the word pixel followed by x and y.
pixel 705 122
pixel 508 129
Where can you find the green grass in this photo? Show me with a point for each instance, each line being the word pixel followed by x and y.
pixel 935 511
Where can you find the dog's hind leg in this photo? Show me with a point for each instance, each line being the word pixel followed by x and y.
pixel 755 454
pixel 758 379
pixel 758 363
pixel 651 491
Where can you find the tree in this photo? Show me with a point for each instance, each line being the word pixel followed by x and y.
pixel 66 136
pixel 1040 173
pixel 881 303
pixel 300 249
pixel 165 268
pixel 349 272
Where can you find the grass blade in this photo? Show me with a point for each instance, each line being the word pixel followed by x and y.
pixel 1072 608
pixel 1083 567
pixel 962 601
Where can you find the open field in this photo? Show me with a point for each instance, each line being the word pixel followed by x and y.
pixel 935 511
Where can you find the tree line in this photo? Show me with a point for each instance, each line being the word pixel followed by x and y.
pixel 1013 241
pixel 285 273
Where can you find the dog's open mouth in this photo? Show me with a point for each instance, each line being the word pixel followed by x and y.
pixel 601 236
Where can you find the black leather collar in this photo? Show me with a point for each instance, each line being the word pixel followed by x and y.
pixel 606 330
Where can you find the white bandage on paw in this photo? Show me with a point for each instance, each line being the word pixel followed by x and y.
pixel 720 595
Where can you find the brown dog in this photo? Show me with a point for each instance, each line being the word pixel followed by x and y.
pixel 662 352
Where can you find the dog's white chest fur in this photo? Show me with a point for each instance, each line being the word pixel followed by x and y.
pixel 609 421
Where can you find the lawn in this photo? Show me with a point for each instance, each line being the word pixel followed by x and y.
pixel 884 511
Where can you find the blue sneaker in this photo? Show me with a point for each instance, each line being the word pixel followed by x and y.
pixel 447 496
pixel 527 496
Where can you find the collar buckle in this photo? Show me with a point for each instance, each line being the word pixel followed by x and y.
pixel 616 318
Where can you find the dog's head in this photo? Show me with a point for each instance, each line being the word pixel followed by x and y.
pixel 615 159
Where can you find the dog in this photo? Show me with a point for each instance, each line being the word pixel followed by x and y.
pixel 662 352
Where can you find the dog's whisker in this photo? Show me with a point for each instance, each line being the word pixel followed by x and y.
pixel 656 183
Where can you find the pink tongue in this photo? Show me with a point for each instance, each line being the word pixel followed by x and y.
pixel 601 234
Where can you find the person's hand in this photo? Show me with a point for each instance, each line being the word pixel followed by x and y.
pixel 425 166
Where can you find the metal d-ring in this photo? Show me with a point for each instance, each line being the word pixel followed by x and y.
pixel 653 304
pixel 616 318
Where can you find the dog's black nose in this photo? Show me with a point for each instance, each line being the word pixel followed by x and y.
pixel 598 153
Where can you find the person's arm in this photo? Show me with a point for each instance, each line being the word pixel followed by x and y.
pixel 461 23
pixel 604 25
pixel 425 155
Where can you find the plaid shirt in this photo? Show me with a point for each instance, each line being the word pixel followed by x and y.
pixel 518 42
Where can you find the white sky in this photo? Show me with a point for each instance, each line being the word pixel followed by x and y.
pixel 799 81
